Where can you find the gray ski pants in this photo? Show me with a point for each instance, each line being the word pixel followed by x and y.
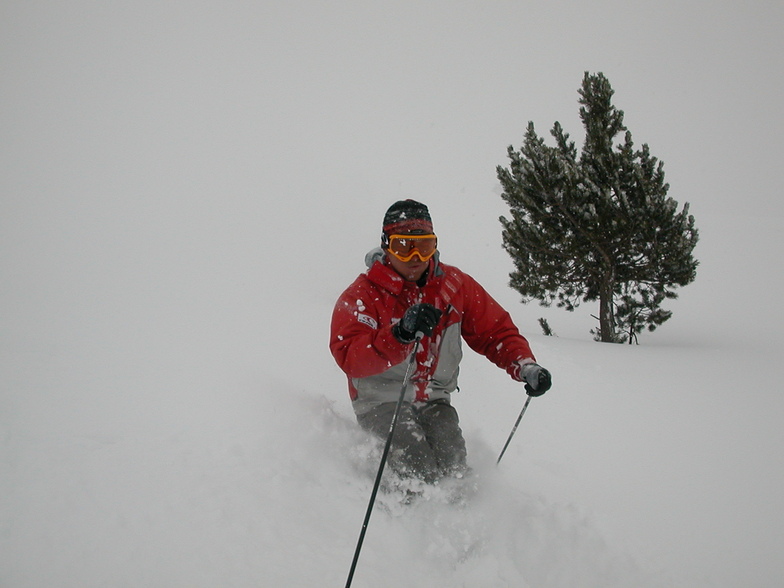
pixel 428 442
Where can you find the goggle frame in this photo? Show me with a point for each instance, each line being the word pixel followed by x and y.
pixel 413 250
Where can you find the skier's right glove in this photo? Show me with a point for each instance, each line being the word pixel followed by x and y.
pixel 418 321
pixel 537 379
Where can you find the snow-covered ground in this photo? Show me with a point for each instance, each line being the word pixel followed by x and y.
pixel 184 194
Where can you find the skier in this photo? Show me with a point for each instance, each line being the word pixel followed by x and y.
pixel 408 293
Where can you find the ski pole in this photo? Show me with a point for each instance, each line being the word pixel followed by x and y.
pixel 411 361
pixel 519 418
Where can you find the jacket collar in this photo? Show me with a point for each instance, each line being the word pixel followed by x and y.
pixel 384 276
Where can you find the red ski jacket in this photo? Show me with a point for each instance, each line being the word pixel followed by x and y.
pixel 375 362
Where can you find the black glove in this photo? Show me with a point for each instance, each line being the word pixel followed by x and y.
pixel 418 319
pixel 537 379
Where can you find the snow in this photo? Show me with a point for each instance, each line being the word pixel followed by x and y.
pixel 185 193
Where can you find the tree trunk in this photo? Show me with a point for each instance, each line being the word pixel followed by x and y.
pixel 606 313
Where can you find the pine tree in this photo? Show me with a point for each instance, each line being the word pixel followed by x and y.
pixel 598 226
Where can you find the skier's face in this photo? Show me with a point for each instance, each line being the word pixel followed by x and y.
pixel 411 270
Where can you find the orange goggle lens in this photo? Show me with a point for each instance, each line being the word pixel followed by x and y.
pixel 405 247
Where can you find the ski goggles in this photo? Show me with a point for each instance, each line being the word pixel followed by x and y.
pixel 405 247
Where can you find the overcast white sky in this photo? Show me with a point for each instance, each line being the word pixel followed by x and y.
pixel 413 97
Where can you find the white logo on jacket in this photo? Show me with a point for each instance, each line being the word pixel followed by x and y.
pixel 367 320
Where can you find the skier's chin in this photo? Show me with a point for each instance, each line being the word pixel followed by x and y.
pixel 415 271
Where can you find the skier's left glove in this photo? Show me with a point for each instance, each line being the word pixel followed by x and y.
pixel 537 379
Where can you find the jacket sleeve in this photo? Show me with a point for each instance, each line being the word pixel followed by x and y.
pixel 360 342
pixel 489 330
